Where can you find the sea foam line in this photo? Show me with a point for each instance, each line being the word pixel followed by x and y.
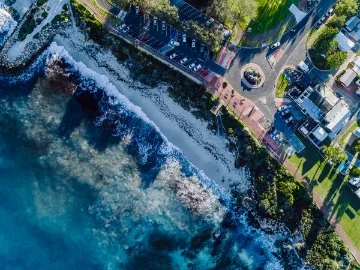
pixel 115 97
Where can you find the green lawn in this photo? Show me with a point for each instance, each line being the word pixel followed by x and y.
pixel 270 14
pixel 331 187
pixel 281 85
pixel 347 132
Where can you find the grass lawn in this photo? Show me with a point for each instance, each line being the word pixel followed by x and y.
pixel 270 14
pixel 331 187
pixel 347 132
pixel 281 85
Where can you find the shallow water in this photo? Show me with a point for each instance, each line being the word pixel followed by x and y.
pixel 88 183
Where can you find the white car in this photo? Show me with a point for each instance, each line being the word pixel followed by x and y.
pixel 183 61
pixel 210 21
pixel 121 27
pixel 163 26
pixel 174 43
pixel 137 10
pixel 155 21
pixel 193 43
pixel 184 38
pixel 330 12
pixel 197 67
pixel 282 108
pixel 126 29
pixel 275 45
pixel 288 120
pixel 191 66
pixel 173 55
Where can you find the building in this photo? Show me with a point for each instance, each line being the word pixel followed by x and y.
pixel 352 23
pixel 348 77
pixel 327 113
pixel 345 44
pixel 353 27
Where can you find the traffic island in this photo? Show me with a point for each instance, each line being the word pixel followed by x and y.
pixel 252 76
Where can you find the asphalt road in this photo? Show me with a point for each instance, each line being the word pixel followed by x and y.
pixel 294 46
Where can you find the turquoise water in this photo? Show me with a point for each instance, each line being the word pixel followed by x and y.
pixel 86 183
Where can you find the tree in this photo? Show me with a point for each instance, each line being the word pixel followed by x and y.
pixel 234 10
pixel 243 11
pixel 336 21
pixel 334 61
pixel 357 147
pixel 346 8
pixel 334 153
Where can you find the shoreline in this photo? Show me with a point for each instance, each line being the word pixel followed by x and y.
pixel 173 121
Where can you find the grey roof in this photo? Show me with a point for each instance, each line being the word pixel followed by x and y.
pixel 352 22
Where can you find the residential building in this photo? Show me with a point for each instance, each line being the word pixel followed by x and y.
pixel 327 113
pixel 345 44
pixel 352 23
pixel 348 77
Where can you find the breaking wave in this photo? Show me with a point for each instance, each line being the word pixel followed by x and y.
pixel 157 158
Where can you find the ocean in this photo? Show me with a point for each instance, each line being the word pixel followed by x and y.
pixel 88 181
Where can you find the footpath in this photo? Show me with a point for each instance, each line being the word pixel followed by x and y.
pixel 243 109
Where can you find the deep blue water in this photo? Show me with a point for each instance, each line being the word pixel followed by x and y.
pixel 87 183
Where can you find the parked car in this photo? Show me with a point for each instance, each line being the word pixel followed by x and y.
pixel 285 107
pixel 330 12
pixel 209 22
pixel 184 38
pixel 285 112
pixel 126 29
pixel 137 10
pixel 184 60
pixel 197 68
pixel 155 21
pixel 193 43
pixel 174 43
pixel 145 38
pixel 173 55
pixel 202 47
pixel 275 45
pixel 163 25
pixel 205 73
pixel 121 27
pixel 191 66
pixel 289 120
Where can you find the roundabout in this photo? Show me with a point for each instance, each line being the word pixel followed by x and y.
pixel 252 76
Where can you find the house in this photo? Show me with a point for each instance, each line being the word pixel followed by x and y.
pixel 345 44
pixel 328 113
pixel 348 77
pixel 352 23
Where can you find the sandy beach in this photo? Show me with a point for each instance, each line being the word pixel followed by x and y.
pixel 173 121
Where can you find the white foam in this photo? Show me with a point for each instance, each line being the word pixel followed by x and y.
pixel 115 96
pixel 7 25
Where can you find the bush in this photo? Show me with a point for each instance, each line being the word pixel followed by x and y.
pixel 355 172
pixel 27 28
pixel 40 2
pixel 95 28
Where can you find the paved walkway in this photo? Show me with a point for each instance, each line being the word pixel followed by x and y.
pixel 244 108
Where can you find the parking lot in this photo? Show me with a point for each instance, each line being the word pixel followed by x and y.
pixel 187 12
pixel 170 41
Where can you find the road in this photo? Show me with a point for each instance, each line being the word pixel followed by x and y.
pixel 294 46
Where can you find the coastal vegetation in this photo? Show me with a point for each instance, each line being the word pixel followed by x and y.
pixel 34 18
pixel 276 194
pixel 95 29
